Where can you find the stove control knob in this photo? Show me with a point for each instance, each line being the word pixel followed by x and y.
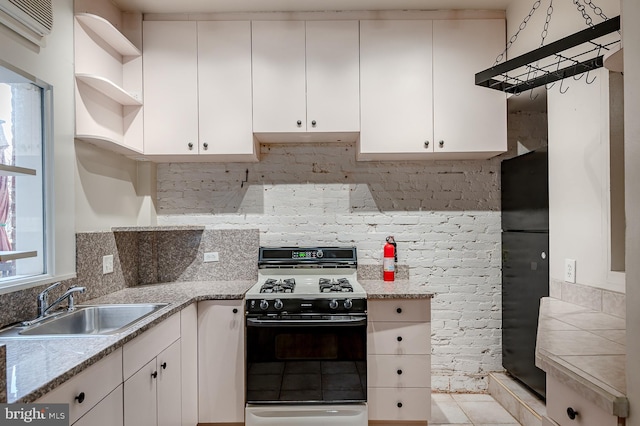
pixel 278 304
pixel 348 304
pixel 333 304
pixel 264 305
pixel 319 254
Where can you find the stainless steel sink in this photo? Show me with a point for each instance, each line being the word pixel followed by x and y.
pixel 87 320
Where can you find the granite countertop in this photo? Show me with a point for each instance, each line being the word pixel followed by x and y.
pixel 398 289
pixel 585 350
pixel 35 366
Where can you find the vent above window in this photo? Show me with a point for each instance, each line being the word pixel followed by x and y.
pixel 32 19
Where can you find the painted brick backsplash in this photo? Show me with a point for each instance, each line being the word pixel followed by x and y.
pixel 444 215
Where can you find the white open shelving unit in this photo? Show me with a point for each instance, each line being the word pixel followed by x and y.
pixel 108 86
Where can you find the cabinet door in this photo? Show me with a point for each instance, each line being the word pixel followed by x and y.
pixel 333 87
pixel 189 361
pixel 169 386
pixel 140 402
pixel 395 89
pixel 278 58
pixel 467 118
pixel 224 86
pixel 221 361
pixel 107 412
pixel 170 87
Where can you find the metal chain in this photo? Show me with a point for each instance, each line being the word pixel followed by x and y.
pixel 583 11
pixel 545 30
pixel 522 26
pixel 597 10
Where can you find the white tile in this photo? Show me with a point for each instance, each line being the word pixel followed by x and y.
pixel 487 413
pixel 472 397
pixel 445 410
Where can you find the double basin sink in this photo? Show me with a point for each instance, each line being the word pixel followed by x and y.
pixel 86 320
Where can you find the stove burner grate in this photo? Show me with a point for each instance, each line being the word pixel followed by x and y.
pixel 331 285
pixel 271 285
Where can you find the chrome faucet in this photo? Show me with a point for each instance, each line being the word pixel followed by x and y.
pixel 44 306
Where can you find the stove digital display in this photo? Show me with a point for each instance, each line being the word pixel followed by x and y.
pixel 303 255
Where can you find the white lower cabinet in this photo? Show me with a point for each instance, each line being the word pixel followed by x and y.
pixel 221 361
pixel 563 403
pixel 399 361
pixel 152 372
pixel 87 390
pixel 107 412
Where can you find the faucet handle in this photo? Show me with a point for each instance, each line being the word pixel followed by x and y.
pixel 51 287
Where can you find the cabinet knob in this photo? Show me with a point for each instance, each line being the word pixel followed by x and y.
pixel 190 145
pixel 399 372
pixel 572 413
pixel 399 404
pixel 163 365
pixel 441 143
pixel 426 144
pixel 205 145
pixel 399 310
pixel 399 338
pixel 80 398
pixel 154 374
pixel 235 310
pixel 299 123
pixel 313 123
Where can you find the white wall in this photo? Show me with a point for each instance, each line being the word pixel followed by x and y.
pixel 54 65
pixel 631 34
pixel 578 152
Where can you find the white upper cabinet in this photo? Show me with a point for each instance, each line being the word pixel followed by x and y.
pixel 468 118
pixel 224 86
pixel 170 58
pixel 198 85
pixel 305 77
pixel 418 93
pixel 396 89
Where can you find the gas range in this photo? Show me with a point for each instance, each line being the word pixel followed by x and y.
pixel 294 280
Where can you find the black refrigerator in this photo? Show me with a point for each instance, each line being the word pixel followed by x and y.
pixel 525 262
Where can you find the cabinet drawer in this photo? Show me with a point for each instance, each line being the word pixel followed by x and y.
pixel 401 404
pixel 560 397
pixel 95 383
pixel 399 371
pixel 145 347
pixel 107 413
pixel 398 338
pixel 403 310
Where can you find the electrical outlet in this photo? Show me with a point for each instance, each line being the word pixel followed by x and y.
pixel 107 264
pixel 570 270
pixel 211 256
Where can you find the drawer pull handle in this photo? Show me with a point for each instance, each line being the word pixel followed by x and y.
pixel 399 338
pixel 235 310
pixel 80 398
pixel 399 404
pixel 163 365
pixel 154 374
pixel 572 413
pixel 399 372
pixel 399 310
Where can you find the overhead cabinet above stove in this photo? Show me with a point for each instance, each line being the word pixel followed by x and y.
pixel 305 80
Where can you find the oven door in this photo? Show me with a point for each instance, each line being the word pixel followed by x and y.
pixel 306 359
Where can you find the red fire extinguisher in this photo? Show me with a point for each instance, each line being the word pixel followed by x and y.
pixel 389 261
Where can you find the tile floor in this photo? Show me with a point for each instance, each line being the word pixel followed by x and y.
pixel 468 410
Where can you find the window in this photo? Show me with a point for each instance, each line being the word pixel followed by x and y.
pixel 25 109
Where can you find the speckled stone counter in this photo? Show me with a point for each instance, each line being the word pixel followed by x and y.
pixel 398 289
pixel 585 350
pixel 35 366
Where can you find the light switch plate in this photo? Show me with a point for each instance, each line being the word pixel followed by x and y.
pixel 107 264
pixel 570 270
pixel 211 256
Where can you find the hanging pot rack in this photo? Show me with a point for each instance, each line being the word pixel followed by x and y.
pixel 525 72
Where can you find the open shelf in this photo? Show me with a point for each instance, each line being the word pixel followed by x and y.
pixel 15 255
pixel 109 89
pixel 110 34
pixel 6 170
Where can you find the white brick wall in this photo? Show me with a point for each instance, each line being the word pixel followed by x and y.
pixel 444 215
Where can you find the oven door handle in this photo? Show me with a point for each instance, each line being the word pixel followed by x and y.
pixel 341 322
